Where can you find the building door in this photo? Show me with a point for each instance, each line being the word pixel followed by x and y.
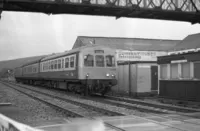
pixel 154 78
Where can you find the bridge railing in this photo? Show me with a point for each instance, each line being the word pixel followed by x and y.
pixel 169 5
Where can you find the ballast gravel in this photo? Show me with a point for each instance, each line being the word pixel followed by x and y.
pixel 89 102
pixel 32 110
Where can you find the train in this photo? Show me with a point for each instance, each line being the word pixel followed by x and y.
pixel 85 70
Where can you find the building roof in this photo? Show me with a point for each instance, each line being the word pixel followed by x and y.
pixel 127 43
pixel 190 42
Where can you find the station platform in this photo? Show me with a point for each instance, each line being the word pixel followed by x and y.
pixel 134 123
pixel 166 122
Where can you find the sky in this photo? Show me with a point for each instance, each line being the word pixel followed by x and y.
pixel 32 34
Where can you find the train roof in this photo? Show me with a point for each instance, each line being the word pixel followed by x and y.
pixel 71 51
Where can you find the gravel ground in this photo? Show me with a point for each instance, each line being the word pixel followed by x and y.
pixel 34 111
pixel 94 103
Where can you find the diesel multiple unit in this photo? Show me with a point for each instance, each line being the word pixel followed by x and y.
pixel 88 69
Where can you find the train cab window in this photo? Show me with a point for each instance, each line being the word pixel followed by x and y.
pixel 88 60
pixel 110 61
pixel 59 63
pixel 66 62
pixel 99 60
pixel 72 61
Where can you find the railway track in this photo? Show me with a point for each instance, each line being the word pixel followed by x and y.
pixel 165 107
pixel 107 124
pixel 70 109
pixel 126 103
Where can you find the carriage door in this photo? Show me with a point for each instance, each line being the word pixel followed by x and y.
pixel 154 78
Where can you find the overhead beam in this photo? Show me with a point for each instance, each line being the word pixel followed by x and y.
pixel 151 9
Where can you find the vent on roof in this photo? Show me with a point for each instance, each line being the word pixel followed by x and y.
pixel 92 42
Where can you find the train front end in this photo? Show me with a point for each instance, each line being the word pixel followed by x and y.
pixel 98 69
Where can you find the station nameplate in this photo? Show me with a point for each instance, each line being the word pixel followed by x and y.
pixel 138 55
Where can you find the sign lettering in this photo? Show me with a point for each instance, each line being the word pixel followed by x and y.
pixel 138 55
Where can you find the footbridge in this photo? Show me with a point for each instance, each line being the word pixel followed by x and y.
pixel 175 10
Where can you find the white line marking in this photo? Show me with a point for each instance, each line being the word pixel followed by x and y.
pixel 49 126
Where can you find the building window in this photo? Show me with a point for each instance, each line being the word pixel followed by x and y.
pixel 110 61
pixel 88 60
pixel 66 62
pixel 163 71
pixel 174 71
pixel 185 70
pixel 197 70
pixel 72 61
pixel 59 63
pixel 99 60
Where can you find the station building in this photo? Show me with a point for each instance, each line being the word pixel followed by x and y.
pixel 137 70
pixel 179 76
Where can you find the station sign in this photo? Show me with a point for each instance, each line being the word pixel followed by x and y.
pixel 122 55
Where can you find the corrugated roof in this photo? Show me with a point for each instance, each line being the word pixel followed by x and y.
pixel 127 43
pixel 190 42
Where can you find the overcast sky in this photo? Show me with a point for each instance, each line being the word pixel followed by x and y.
pixel 32 34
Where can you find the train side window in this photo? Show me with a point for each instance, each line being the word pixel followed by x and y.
pixel 72 61
pixel 110 61
pixel 66 62
pixel 62 65
pixel 99 60
pixel 51 65
pixel 59 63
pixel 88 60
pixel 55 64
pixel 43 67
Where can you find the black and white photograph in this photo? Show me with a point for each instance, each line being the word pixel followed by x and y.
pixel 99 65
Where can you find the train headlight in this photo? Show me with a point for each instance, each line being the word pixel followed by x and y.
pixel 87 75
pixel 113 75
pixel 107 75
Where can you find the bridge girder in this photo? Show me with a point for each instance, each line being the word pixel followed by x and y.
pixel 177 10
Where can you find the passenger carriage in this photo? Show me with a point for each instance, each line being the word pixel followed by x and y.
pixel 88 69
